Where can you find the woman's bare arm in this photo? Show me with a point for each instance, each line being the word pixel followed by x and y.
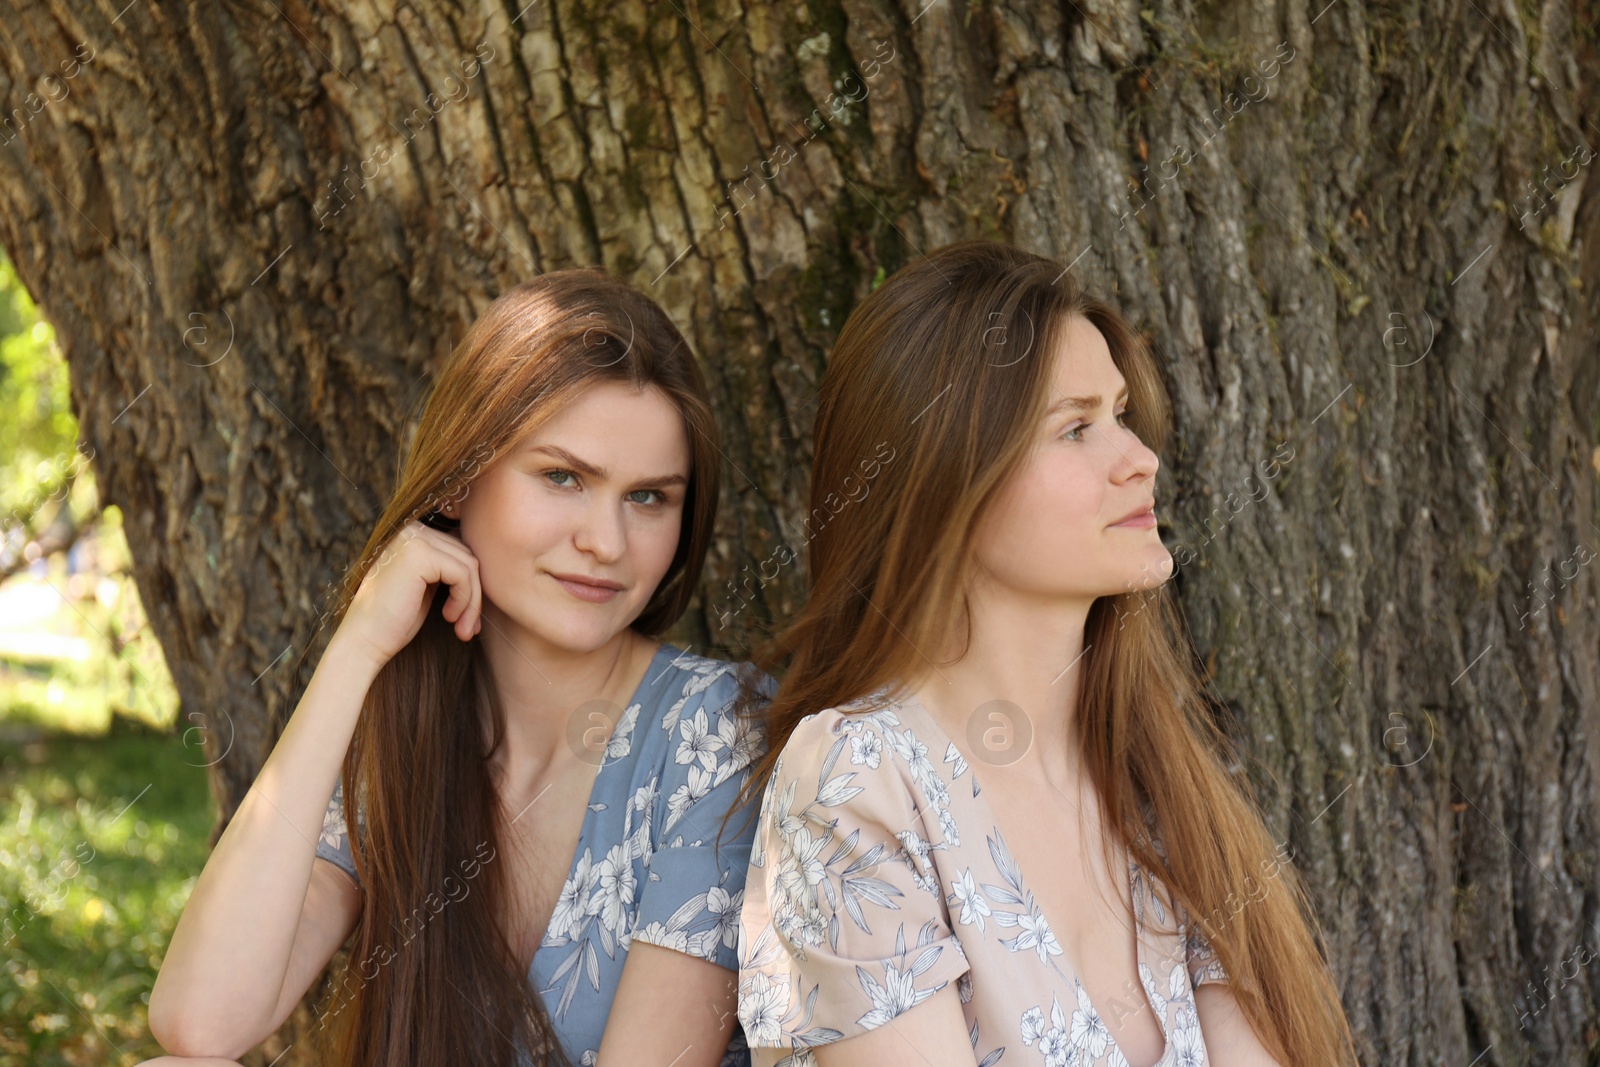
pixel 671 1008
pixel 932 1033
pixel 259 903
pixel 264 918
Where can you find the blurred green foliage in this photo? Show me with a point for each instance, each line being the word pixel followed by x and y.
pixel 105 810
pixel 38 433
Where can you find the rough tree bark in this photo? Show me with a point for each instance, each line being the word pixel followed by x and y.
pixel 1364 238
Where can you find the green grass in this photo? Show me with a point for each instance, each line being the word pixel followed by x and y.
pixel 105 815
pixel 101 842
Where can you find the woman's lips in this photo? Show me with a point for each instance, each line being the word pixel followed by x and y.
pixel 594 594
pixel 1142 521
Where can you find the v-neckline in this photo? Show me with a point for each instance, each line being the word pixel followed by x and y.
pixel 588 808
pixel 906 701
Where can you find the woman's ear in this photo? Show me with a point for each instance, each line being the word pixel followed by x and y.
pixel 446 517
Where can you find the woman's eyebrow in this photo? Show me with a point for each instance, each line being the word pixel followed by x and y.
pixel 1081 403
pixel 584 467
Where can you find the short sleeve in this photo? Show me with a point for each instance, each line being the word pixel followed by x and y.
pixel 694 885
pixel 844 925
pixel 334 844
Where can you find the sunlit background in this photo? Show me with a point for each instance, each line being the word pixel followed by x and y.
pixel 97 854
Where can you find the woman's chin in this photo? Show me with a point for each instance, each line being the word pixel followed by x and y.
pixel 557 630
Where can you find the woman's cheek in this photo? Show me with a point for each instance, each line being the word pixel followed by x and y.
pixel 668 546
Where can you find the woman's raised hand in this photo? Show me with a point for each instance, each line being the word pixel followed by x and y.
pixel 394 596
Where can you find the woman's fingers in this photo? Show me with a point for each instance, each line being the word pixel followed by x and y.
pixel 458 567
pixel 394 606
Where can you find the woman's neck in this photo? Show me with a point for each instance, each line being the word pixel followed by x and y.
pixel 1024 659
pixel 556 705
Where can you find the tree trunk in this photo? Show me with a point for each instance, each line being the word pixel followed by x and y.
pixel 1357 234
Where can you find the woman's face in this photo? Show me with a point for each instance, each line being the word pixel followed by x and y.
pixel 595 493
pixel 1053 533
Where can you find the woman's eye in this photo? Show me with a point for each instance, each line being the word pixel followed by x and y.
pixel 1079 428
pixel 565 479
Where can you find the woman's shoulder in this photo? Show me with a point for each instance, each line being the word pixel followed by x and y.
pixel 680 684
pixel 875 727
pixel 688 708
pixel 860 747
pixel 682 673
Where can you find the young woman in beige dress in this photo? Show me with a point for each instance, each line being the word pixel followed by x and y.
pixel 995 825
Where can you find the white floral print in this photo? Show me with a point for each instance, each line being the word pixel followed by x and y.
pixel 877 877
pixel 648 866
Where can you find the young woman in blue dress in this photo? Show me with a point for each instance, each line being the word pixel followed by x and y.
pixel 533 872
pixel 990 603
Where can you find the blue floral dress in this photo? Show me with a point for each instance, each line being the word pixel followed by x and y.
pixel 878 876
pixel 647 867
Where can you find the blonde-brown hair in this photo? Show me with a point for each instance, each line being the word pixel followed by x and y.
pixel 948 362
pixel 431 976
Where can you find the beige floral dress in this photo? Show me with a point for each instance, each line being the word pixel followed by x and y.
pixel 878 875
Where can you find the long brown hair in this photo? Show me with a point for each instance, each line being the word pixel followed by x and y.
pixel 431 975
pixel 947 365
